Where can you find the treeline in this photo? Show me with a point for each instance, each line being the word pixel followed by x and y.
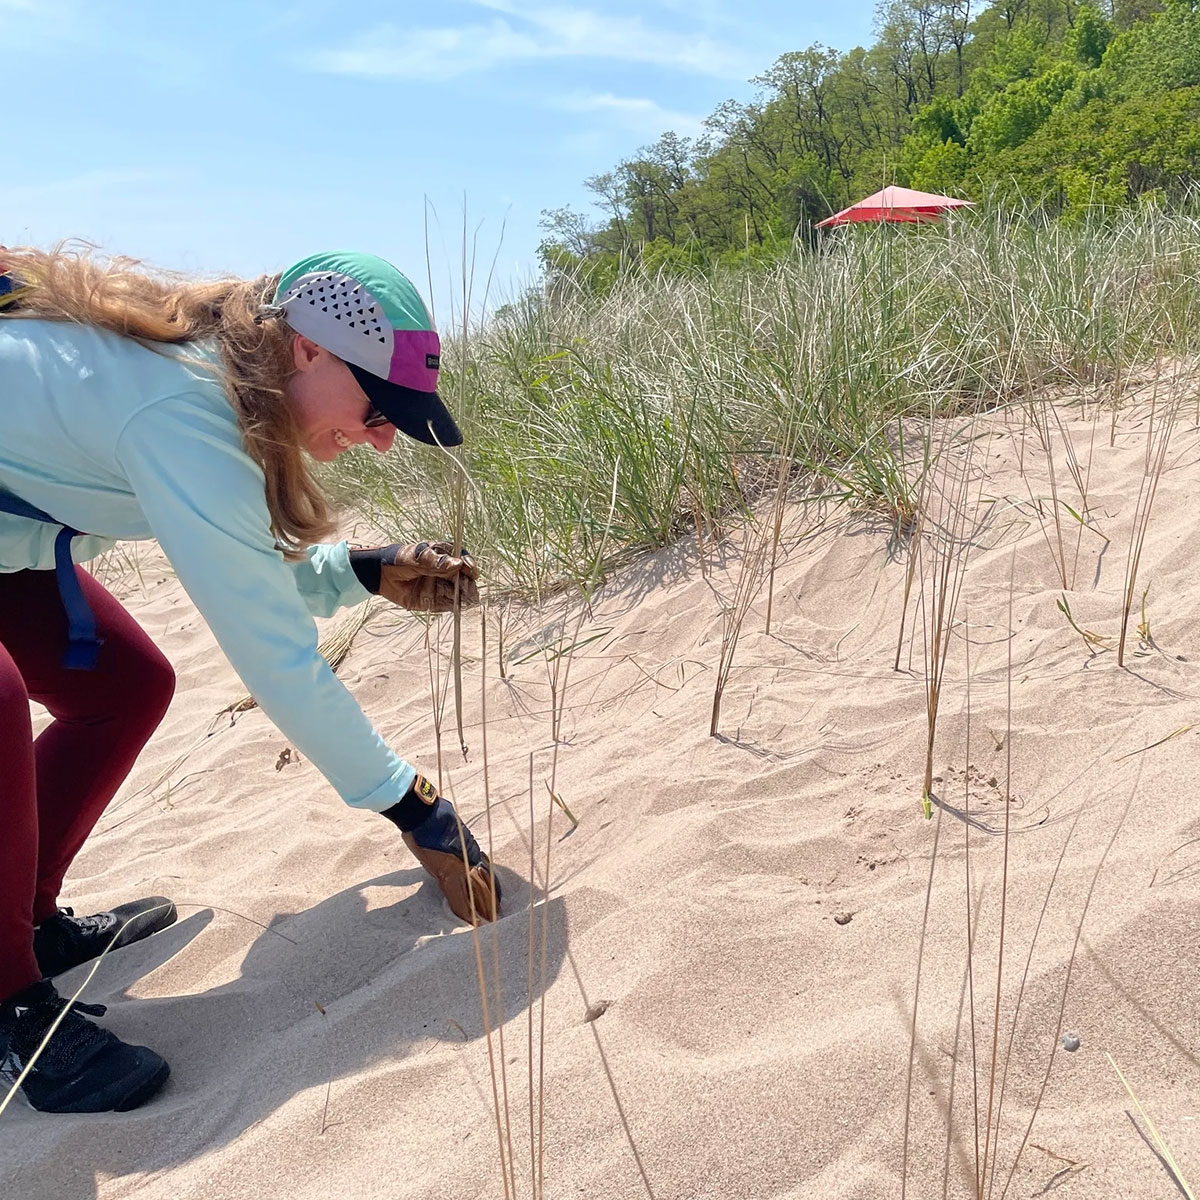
pixel 1052 102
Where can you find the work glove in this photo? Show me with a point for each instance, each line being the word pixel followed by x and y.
pixel 427 577
pixel 433 831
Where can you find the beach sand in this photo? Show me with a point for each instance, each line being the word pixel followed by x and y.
pixel 320 1005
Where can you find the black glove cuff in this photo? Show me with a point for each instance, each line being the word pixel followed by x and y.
pixel 412 809
pixel 368 565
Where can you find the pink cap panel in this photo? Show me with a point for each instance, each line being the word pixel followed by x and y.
pixel 416 357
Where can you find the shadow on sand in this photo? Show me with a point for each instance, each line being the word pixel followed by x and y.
pixel 239 1051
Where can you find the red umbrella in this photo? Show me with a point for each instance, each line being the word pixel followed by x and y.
pixel 896 204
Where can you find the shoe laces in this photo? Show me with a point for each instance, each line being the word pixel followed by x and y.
pixel 73 1037
pixel 85 925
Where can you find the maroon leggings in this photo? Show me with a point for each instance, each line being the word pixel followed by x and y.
pixel 53 790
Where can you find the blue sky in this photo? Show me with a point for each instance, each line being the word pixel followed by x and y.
pixel 238 136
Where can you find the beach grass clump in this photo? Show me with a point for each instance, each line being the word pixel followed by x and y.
pixel 689 387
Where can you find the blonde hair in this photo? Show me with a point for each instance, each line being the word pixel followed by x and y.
pixel 71 283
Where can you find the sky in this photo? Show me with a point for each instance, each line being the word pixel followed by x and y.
pixel 237 136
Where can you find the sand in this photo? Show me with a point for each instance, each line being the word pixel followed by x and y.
pixel 320 1005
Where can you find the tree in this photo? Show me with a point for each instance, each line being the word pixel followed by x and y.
pixel 1056 99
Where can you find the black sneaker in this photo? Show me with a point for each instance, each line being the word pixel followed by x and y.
pixel 83 1068
pixel 64 940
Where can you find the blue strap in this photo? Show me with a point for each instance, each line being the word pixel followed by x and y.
pixel 82 643
pixel 22 508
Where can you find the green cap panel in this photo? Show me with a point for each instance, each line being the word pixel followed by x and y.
pixel 394 292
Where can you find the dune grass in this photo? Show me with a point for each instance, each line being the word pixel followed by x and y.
pixel 696 385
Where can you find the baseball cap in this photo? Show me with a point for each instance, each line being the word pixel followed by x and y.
pixel 362 309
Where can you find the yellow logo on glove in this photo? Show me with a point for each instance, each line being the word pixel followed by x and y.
pixel 425 789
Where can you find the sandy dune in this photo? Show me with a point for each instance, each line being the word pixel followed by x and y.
pixel 758 1047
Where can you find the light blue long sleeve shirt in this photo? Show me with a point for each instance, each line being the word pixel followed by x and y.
pixel 127 442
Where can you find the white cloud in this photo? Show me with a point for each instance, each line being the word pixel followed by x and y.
pixel 637 113
pixel 523 34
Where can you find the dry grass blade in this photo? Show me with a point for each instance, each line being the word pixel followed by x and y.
pixel 1160 1144
pixel 563 805
pixel 947 548
pixel 506 1165
pixel 495 931
pixel 1173 734
pixel 1039 420
pixel 1090 639
pixel 776 531
pixel 914 540
pixel 912 1038
pixel 987 1128
pixel 558 701
pixel 1143 628
pixel 1067 841
pixel 535 1145
pixel 459 511
pixel 437 696
pixel 150 789
pixel 612 1083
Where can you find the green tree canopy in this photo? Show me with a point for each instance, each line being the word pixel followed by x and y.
pixel 1051 101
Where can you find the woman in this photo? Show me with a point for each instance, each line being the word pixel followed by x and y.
pixel 134 407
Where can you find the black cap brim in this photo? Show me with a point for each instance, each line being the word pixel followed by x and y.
pixel 421 415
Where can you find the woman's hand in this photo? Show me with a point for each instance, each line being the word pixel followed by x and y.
pixel 427 577
pixel 446 848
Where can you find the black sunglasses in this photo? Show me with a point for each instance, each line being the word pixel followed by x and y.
pixel 374 418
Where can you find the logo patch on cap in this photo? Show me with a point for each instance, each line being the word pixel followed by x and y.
pixel 433 362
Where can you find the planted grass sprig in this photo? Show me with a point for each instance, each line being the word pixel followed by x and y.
pixel 1090 639
pixel 756 550
pixel 942 554
pixel 1162 421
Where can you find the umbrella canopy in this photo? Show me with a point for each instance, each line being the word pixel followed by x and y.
pixel 896 204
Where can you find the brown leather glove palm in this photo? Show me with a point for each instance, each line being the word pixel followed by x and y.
pixel 427 577
pixel 434 833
